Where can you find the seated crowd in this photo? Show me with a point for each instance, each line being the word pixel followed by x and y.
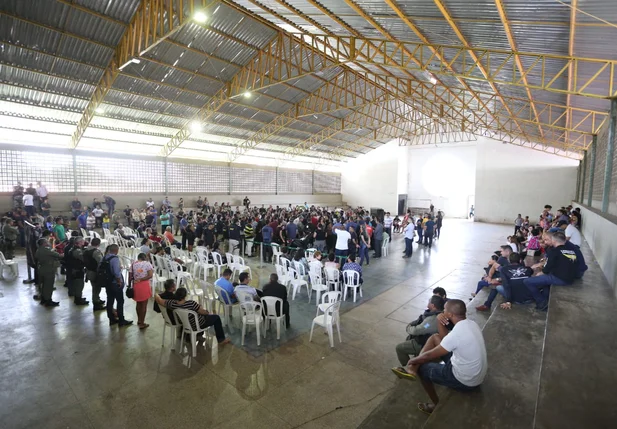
pixel 444 347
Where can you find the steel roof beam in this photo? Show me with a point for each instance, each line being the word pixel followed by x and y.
pixel 151 24
pixel 571 41
pixel 506 25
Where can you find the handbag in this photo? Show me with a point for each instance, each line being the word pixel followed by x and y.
pixel 130 292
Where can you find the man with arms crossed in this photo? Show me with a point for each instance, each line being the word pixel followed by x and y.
pixel 462 350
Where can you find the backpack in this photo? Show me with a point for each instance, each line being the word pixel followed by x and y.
pixel 89 261
pixel 104 275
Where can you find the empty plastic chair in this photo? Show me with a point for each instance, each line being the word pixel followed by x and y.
pixel 251 316
pixel 8 264
pixel 327 320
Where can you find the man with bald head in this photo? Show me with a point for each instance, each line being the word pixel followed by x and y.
pixel 462 350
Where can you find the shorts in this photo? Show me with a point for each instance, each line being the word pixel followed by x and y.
pixel 441 373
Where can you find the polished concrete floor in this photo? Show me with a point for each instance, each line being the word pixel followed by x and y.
pixel 66 368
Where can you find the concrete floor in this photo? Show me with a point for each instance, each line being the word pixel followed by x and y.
pixel 66 368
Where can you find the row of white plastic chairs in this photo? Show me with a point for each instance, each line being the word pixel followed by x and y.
pixel 294 276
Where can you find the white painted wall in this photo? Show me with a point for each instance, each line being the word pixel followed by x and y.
pixel 446 175
pixel 512 179
pixel 371 180
pixel 601 235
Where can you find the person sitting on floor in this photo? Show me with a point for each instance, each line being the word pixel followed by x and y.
pixel 561 269
pixel 492 278
pixel 511 284
pixel 419 331
pixel 463 351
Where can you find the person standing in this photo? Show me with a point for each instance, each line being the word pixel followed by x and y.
pixel 76 207
pixel 429 231
pixel 438 223
pixel 267 234
pixel 10 233
pixel 77 267
pixel 110 275
pixel 165 221
pixel 343 237
pixel 141 274
pixel 246 202
pixel 377 238
pixel 365 244
pixel 233 232
pixel 518 222
pixel 409 232
pixel 92 258
pixel 97 211
pixel 387 224
pixel 42 193
pixel 47 262
pixel 28 201
pixel 249 238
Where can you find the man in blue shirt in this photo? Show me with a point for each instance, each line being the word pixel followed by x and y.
pixel 225 284
pixel 115 288
pixel 267 232
pixel 429 226
pixel 292 231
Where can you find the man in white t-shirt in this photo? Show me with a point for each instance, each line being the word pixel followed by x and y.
pixel 28 200
pixel 409 232
pixel 573 235
pixel 462 350
pixel 341 248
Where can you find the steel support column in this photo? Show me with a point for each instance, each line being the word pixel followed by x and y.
pixel 592 169
pixel 610 153
pixel 578 182
pixel 583 177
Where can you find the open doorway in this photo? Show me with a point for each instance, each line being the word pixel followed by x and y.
pixel 471 207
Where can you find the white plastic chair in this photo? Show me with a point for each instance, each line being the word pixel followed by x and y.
pixel 225 300
pixel 175 269
pixel 285 262
pixel 328 320
pixel 333 278
pixel 296 283
pixel 251 315
pixel 8 264
pixel 327 300
pixel 351 280
pixel 271 303
pixel 276 253
pixel 203 265
pixel 217 259
pixel 185 316
pixel 175 326
pixel 317 285
pixel 107 233
pixel 384 247
pixel 84 233
pixel 208 296
pixel 308 253
pixel 239 266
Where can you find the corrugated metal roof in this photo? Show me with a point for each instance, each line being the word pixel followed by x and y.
pixel 122 10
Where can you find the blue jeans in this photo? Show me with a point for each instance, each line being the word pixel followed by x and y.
pixel 481 285
pixel 363 253
pixel 534 284
pixel 491 296
pixel 442 374
pixel 408 247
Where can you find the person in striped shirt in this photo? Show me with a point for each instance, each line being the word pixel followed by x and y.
pixel 249 237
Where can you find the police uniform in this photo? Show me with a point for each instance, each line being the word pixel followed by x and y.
pixel 77 269
pixel 10 237
pixel 97 255
pixel 47 262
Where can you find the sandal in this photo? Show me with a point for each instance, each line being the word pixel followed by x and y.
pixel 400 372
pixel 142 325
pixel 426 407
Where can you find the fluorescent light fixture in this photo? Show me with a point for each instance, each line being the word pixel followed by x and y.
pixel 135 60
pixel 433 80
pixel 99 110
pixel 195 127
pixel 247 94
pixel 200 17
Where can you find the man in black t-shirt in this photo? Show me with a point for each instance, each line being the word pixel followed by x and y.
pixel 561 269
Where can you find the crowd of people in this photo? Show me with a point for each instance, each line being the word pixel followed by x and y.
pixel 444 347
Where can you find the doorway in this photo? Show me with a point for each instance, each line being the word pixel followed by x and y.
pixel 471 202
pixel 402 204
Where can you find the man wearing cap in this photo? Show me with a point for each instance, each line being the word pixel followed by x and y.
pixel 47 261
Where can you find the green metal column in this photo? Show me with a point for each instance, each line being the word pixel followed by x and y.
pixel 610 153
pixel 578 181
pixel 592 168
pixel 584 176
